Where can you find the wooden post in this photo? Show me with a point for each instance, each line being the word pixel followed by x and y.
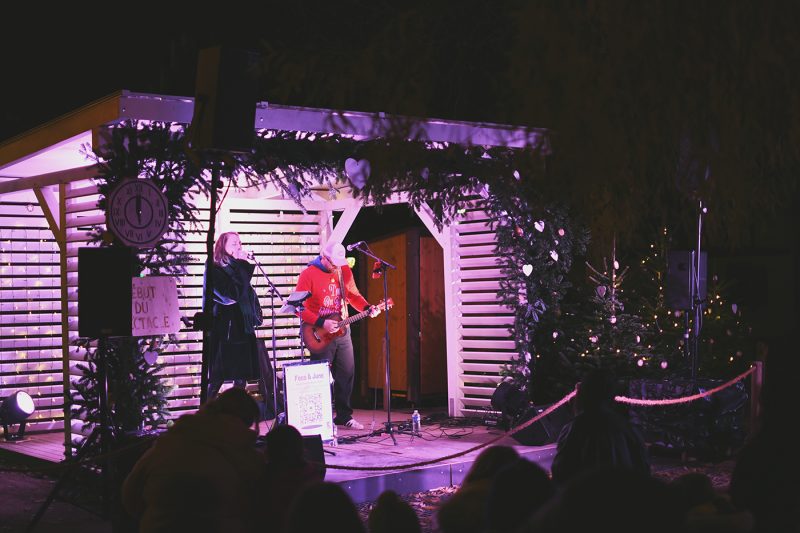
pixel 756 384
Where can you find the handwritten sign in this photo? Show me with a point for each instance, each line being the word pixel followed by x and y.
pixel 154 306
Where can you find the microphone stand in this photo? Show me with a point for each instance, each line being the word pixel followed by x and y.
pixel 273 293
pixel 696 302
pixel 387 391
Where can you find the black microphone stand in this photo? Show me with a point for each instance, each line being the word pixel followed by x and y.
pixel 696 297
pixel 387 391
pixel 272 294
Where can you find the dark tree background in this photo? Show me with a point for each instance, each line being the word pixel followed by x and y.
pixel 653 105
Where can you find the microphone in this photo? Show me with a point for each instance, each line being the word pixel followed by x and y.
pixel 250 254
pixel 354 245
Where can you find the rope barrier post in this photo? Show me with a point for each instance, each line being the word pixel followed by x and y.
pixel 756 384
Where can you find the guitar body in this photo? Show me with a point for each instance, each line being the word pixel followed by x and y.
pixel 316 338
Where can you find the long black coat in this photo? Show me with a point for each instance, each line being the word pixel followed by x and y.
pixel 237 313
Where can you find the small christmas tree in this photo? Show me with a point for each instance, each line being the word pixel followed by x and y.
pixel 590 329
pixel 612 338
pixel 137 395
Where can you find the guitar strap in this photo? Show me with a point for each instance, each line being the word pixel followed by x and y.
pixel 345 313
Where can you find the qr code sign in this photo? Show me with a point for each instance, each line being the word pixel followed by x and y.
pixel 309 408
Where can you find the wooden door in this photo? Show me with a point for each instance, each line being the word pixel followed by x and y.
pixel 392 250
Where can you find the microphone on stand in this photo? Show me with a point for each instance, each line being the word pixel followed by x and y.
pixel 249 254
pixel 354 245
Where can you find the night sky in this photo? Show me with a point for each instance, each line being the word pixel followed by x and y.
pixel 625 86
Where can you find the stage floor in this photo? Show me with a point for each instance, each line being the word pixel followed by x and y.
pixel 367 462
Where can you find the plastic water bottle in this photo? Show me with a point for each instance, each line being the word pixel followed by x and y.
pixel 415 422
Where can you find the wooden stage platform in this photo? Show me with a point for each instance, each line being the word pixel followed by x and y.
pixel 365 449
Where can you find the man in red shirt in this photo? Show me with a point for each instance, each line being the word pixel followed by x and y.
pixel 326 278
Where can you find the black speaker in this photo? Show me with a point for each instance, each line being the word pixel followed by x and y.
pixel 543 431
pixel 509 399
pixel 313 452
pixel 677 293
pixel 226 92
pixel 104 291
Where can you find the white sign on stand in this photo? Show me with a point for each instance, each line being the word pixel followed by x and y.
pixel 154 306
pixel 308 398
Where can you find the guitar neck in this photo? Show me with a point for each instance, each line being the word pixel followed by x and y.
pixel 354 318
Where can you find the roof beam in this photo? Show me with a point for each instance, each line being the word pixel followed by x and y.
pixel 51 178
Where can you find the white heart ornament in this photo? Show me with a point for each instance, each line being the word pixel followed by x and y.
pixel 539 226
pixel 527 269
pixel 554 255
pixel 150 357
pixel 357 171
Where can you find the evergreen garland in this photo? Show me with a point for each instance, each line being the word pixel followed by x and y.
pixel 536 248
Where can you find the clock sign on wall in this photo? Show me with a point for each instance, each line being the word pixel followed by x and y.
pixel 137 213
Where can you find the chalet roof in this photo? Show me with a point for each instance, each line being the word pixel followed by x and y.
pixel 51 153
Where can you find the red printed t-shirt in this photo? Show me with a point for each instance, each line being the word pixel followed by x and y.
pixel 326 296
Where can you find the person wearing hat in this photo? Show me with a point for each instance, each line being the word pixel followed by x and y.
pixel 328 278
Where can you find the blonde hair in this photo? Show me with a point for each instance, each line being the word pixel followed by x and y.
pixel 221 257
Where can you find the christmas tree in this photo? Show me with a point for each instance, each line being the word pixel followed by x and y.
pixel 137 393
pixel 724 344
pixel 612 338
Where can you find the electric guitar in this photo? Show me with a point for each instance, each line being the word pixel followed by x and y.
pixel 316 338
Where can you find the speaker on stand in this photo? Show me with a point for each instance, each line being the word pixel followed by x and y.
pixel 104 291
pixel 678 286
pixel 226 92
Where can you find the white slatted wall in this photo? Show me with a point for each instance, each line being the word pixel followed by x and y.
pixel 81 215
pixel 30 312
pixel 484 342
pixel 284 240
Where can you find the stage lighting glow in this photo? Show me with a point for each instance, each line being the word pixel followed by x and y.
pixel 16 409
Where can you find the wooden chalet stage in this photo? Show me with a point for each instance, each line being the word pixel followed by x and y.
pixel 441 437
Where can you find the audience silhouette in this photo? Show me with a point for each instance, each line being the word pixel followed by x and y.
pixel 465 510
pixel 599 434
pixel 321 507
pixel 611 498
pixel 517 491
pixel 765 477
pixel 203 473
pixel 393 515
pixel 286 473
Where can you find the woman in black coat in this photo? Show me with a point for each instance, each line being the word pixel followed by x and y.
pixel 237 313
